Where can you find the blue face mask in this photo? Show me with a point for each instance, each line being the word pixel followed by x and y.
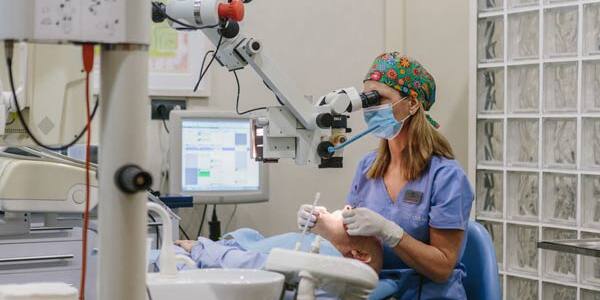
pixel 381 121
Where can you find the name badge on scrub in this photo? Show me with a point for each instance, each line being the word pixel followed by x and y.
pixel 413 197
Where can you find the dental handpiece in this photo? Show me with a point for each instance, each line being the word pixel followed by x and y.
pixel 305 229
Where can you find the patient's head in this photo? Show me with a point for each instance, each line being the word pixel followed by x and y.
pixel 366 249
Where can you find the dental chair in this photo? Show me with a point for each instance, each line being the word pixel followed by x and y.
pixel 479 259
pixel 482 281
pixel 307 272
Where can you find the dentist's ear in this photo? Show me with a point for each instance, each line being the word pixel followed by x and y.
pixel 361 255
pixel 414 105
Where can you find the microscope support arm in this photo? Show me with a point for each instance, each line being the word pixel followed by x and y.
pixel 300 126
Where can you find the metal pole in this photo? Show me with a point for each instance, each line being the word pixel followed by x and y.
pixel 123 141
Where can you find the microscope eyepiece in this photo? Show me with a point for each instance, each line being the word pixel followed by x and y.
pixel 369 99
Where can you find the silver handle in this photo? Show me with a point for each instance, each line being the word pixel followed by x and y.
pixel 36 258
pixel 51 228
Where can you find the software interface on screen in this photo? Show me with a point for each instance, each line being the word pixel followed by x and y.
pixel 216 156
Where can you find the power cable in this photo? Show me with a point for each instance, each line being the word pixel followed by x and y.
pixel 202 220
pixel 237 101
pixel 22 118
pixel 204 71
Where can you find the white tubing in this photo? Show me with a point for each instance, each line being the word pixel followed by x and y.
pixel 180 258
pixel 167 262
pixel 306 287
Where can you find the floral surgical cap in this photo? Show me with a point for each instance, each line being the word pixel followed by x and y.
pixel 407 76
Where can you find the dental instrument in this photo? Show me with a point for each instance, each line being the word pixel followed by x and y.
pixel 305 229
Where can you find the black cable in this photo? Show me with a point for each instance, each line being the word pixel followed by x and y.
pixel 157 230
pixel 187 237
pixel 202 220
pixel 148 292
pixel 204 58
pixel 237 101
pixel 26 127
pixel 203 72
pixel 276 97
pixel 420 287
pixel 163 112
pixel 153 192
pixel 165 126
pixel 202 66
pixel 187 26
pixel 157 194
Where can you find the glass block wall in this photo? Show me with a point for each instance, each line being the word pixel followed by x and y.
pixel 537 142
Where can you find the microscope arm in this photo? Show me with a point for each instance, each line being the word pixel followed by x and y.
pixel 296 128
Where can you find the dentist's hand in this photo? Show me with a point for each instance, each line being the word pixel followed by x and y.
pixel 305 217
pixel 365 222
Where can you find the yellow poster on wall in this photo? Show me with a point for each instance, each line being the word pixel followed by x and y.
pixel 169 50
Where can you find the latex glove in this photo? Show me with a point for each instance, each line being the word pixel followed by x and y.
pixel 305 217
pixel 365 222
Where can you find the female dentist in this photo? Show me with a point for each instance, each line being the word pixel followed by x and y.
pixel 410 193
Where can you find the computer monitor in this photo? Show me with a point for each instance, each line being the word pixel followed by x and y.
pixel 211 159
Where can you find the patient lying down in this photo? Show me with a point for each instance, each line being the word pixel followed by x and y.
pixel 246 248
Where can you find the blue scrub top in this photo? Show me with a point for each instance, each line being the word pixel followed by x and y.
pixel 445 203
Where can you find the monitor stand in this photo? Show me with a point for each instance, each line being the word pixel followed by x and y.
pixel 214 226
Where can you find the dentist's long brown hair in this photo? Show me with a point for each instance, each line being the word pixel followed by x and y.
pixel 424 141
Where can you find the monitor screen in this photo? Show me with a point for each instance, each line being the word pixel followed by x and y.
pixel 216 156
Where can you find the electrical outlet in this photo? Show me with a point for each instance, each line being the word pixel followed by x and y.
pixel 162 108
